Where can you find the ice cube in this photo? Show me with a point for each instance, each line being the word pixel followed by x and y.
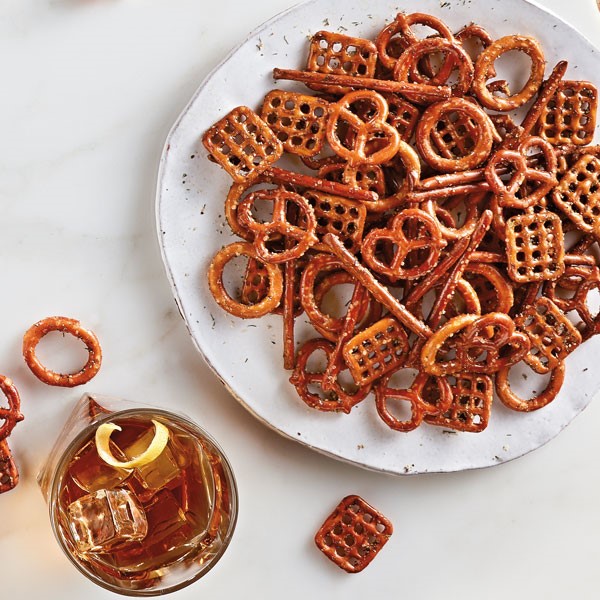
pixel 91 473
pixel 158 473
pixel 105 519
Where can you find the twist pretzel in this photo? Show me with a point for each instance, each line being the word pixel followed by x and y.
pixel 279 225
pixel 10 416
pixel 365 131
pixel 428 238
pixel 225 301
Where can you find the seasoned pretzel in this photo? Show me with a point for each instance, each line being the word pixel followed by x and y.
pixel 553 337
pixel 427 239
pixel 511 400
pixel 402 115
pixel 243 144
pixel 448 228
pixel 493 289
pixel 570 116
pixel 365 131
pixel 477 32
pixel 282 200
pixel 451 145
pixel 225 301
pixel 513 194
pixel 472 396
pixel 298 120
pixel 375 351
pixel 368 177
pixel 484 66
pixel 9 474
pixel 353 534
pixel 288 306
pixel 65 325
pixel 337 399
pixel 11 415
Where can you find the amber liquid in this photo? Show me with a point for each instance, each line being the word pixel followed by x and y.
pixel 184 494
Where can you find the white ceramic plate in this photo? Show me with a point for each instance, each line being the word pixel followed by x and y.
pixel 246 355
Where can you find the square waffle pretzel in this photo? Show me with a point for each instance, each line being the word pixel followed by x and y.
pixel 534 247
pixel 243 144
pixel 298 120
pixel 455 134
pixel 472 396
pixel 344 218
pixel 553 337
pixel 402 115
pixel 353 534
pixel 578 194
pixel 375 351
pixel 570 116
pixel 338 54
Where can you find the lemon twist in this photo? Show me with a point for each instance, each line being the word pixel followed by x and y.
pixel 152 452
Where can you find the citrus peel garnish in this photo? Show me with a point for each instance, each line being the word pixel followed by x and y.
pixel 152 452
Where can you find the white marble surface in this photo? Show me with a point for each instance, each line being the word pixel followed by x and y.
pixel 90 89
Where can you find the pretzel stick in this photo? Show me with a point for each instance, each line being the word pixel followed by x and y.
pixel 357 301
pixel 441 193
pixel 283 176
pixel 289 349
pixel 433 93
pixel 381 293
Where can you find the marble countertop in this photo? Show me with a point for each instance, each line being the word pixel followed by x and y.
pixel 90 89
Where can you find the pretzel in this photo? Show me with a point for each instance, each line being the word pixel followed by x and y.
pixel 577 194
pixel 9 474
pixel 353 534
pixel 225 301
pixel 10 416
pixel 399 29
pixel 298 121
pixel 474 31
pixel 279 225
pixel 472 396
pixel 288 306
pixel 335 400
pixel 570 116
pixel 534 247
pixel 553 337
pixel 451 145
pixel 256 282
pixel 428 240
pixel 374 128
pixel 493 290
pixel 484 66
pixel 368 177
pixel 243 144
pixel 334 214
pixel 449 229
pixel 65 325
pixel 402 115
pixel 338 54
pixel 477 350
pixel 513 194
pixel 375 351
pixel 511 400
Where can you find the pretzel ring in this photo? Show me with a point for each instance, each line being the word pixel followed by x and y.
pixel 338 400
pixel 11 415
pixel 225 301
pixel 37 331
pixel 428 238
pixel 413 54
pixel 511 400
pixel 383 393
pixel 473 125
pixel 496 294
pixel 375 127
pixel 264 232
pixel 484 66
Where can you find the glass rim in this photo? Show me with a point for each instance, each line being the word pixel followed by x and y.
pixel 67 455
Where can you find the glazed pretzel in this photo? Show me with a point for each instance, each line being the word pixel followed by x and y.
pixel 511 400
pixel 451 145
pixel 225 301
pixel 428 239
pixel 279 225
pixel 337 399
pixel 353 534
pixel 492 288
pixel 9 474
pixel 65 325
pixel 365 131
pixel 484 68
pixel 368 177
pixel 513 194
pixel 448 227
pixel 11 415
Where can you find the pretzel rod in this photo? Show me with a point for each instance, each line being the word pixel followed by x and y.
pixel 441 193
pixel 480 256
pixel 289 349
pixel 359 296
pixel 283 176
pixel 381 294
pixel 433 93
